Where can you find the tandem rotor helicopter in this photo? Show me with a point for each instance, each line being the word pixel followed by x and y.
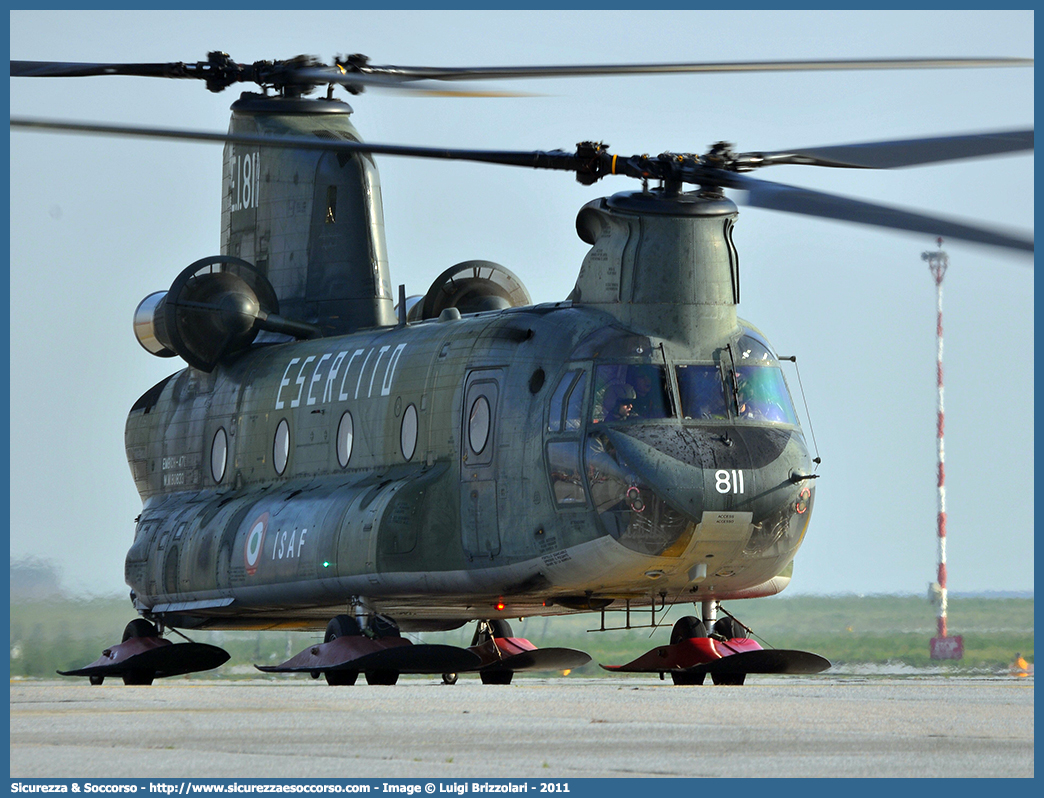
pixel 336 457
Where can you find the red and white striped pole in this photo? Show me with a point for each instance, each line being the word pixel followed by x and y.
pixel 937 264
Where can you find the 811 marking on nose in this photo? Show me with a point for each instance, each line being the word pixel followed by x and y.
pixel 728 481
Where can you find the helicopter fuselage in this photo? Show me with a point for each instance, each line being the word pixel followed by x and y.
pixel 462 468
pixel 476 457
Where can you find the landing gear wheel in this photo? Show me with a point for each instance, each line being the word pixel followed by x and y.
pixel 449 678
pixel 500 628
pixel 380 677
pixel 730 628
pixel 687 627
pixel 340 626
pixel 728 678
pixel 138 677
pixel 684 678
pixel 139 627
pixel 487 630
pixel 341 678
pixel 96 679
pixel 496 677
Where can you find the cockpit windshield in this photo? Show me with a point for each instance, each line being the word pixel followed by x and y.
pixel 756 393
pixel 702 393
pixel 761 395
pixel 630 392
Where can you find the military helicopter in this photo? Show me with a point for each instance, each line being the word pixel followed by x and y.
pixel 330 459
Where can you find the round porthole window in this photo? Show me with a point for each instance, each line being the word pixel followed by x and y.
pixel 408 432
pixel 281 448
pixel 345 437
pixel 478 425
pixel 219 455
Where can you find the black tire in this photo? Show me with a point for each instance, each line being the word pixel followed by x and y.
pixel 687 678
pixel 138 677
pixel 735 679
pixel 449 678
pixel 342 626
pixel 139 627
pixel 496 676
pixel 500 628
pixel 687 627
pixel 382 677
pixel 341 678
pixel 490 629
pixel 96 679
pixel 729 628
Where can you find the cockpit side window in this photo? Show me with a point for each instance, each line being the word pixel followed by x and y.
pixel 567 483
pixel 554 419
pixel 751 348
pixel 569 393
pixel 575 404
pixel 625 392
pixel 563 453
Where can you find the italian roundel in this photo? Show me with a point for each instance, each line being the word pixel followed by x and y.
pixel 254 543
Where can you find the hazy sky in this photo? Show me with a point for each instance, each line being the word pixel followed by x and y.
pixel 98 224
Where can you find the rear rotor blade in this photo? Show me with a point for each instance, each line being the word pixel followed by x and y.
pixel 355 72
pixel 790 199
pixel 62 69
pixel 356 81
pixel 895 154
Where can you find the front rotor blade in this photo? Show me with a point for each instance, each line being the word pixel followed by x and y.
pixel 790 199
pixel 558 160
pixel 595 164
pixel 567 71
pixel 895 154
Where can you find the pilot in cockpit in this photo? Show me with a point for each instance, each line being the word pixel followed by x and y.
pixel 618 402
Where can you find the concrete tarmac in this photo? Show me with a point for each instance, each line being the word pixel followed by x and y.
pixel 561 728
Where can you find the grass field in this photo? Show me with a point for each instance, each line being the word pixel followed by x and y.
pixel 60 635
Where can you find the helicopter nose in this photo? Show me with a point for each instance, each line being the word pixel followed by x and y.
pixel 696 471
pixel 676 476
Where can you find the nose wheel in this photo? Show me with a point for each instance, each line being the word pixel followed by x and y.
pixel 138 628
pixel 486 635
pixel 727 654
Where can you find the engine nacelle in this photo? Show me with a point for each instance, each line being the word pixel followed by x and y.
pixel 471 287
pixel 214 309
pixel 150 325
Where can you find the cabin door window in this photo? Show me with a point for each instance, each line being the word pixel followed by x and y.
pixel 480 532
